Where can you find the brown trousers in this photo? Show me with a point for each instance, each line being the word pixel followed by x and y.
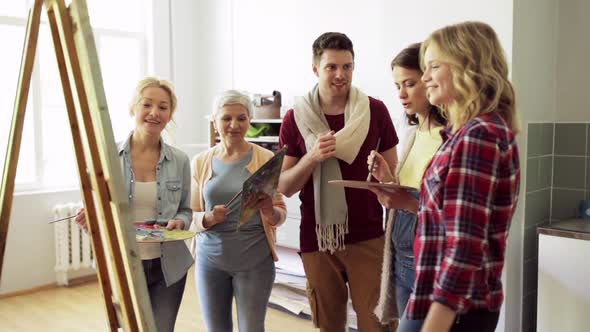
pixel 327 274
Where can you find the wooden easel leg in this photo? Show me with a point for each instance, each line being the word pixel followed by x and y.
pixel 18 119
pixel 97 164
pixel 86 186
pixel 78 45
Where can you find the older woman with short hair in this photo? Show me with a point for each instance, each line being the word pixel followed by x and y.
pixel 233 264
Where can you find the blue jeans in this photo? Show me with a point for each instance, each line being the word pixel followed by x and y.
pixel 402 237
pixel 409 325
pixel 165 300
pixel 251 289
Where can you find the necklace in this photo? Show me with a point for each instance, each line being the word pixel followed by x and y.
pixel 422 124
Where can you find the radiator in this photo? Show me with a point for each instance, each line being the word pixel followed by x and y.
pixel 73 250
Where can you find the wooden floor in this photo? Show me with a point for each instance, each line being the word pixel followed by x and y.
pixel 79 308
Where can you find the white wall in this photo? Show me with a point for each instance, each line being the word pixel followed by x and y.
pixel 273 52
pixel 411 21
pixel 29 258
pixel 535 57
pixel 572 61
pixel 534 78
pixel 201 52
pixel 265 45
pixel 272 40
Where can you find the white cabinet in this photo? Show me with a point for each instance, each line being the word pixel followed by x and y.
pixel 563 300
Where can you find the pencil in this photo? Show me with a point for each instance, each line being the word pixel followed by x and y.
pixel 373 162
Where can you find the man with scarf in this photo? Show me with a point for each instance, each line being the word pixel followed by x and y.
pixel 329 134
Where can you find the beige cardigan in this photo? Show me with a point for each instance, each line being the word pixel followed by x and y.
pixel 386 309
pixel 201 173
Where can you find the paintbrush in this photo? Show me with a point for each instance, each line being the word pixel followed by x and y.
pixel 373 162
pixel 233 198
pixel 62 219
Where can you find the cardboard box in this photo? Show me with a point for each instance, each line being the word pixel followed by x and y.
pixel 267 106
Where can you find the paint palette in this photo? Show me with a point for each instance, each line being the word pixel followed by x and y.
pixel 158 235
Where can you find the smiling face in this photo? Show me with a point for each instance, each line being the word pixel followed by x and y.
pixel 153 111
pixel 232 123
pixel 412 91
pixel 437 77
pixel 334 71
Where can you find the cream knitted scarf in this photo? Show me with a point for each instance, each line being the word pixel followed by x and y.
pixel 331 210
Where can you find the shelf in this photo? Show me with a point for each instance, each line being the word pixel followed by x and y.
pixel 263 139
pixel 266 141
pixel 266 120
pixel 208 118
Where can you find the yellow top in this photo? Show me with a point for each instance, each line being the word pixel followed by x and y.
pixel 425 146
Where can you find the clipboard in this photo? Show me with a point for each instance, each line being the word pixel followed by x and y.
pixel 366 184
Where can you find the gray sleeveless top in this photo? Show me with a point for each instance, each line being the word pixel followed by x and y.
pixel 221 244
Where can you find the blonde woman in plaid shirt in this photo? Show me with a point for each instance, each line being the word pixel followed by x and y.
pixel 469 192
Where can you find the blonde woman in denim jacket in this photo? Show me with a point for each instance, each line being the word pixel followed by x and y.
pixel 157 179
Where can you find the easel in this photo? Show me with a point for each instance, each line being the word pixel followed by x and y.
pixel 113 238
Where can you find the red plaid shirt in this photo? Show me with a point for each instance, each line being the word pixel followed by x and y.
pixel 468 197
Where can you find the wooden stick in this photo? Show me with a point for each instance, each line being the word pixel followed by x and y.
pixel 18 120
pixel 55 10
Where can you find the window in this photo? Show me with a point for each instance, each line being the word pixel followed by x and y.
pixel 47 159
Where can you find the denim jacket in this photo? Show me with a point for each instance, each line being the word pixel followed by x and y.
pixel 174 196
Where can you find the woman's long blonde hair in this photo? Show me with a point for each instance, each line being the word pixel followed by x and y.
pixel 480 72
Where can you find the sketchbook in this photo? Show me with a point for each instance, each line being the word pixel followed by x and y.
pixel 264 181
